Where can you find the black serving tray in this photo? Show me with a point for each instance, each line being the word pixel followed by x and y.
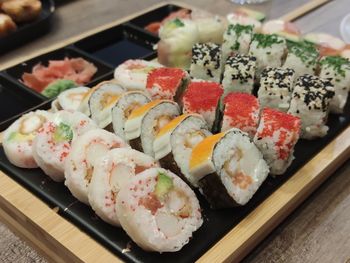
pixel 15 72
pixel 28 31
pixel 155 15
pixel 216 222
pixel 15 98
pixel 119 43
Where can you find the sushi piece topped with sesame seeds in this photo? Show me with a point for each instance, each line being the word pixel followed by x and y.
pixel 237 39
pixel 268 50
pixel 167 83
pixel 206 62
pixel 276 86
pixel 239 74
pixel 241 110
pixel 337 71
pixel 203 97
pixel 277 134
pixel 310 101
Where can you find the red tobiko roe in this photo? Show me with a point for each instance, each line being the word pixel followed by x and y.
pixel 203 95
pixel 240 104
pixel 165 78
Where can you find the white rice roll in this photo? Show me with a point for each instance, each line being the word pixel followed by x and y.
pixel 126 103
pixel 175 141
pixel 53 142
pixel 228 167
pixel 269 50
pixel 101 102
pixel 112 172
pixel 145 122
pixel 210 27
pixel 82 158
pixel 132 74
pixel 158 211
pixel 337 70
pixel 18 138
pixel 177 37
pixel 236 18
pixel 69 99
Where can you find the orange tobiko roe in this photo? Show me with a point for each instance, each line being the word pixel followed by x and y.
pixel 202 96
pixel 167 79
pixel 241 105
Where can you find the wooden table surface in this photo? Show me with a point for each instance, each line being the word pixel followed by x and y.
pixel 319 230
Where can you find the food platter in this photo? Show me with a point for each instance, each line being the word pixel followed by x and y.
pixel 233 235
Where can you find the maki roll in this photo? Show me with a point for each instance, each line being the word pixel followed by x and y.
pixel 269 50
pixel 210 27
pixel 241 110
pixel 203 97
pixel 311 99
pixel 277 134
pixel 239 74
pixel 121 110
pixel 206 62
pixel 82 158
pixel 167 83
pixel 237 39
pixel 112 172
pixel 69 99
pixel 276 86
pixel 337 71
pixel 101 102
pixel 228 167
pixel 175 141
pixel 158 211
pixel 17 139
pixel 132 74
pixel 244 20
pixel 145 122
pixel 177 36
pixel 52 144
pixel 302 57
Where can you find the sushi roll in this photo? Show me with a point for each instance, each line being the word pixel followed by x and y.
pixel 175 141
pixel 132 74
pixel 145 122
pixel 69 99
pixel 203 97
pixel 177 36
pixel 302 57
pixel 101 102
pixel 112 172
pixel 228 167
pixel 167 83
pixel 276 136
pixel 310 101
pixel 327 44
pixel 158 211
pixel 52 144
pixel 206 62
pixel 269 50
pixel 241 110
pixel 121 110
pixel 244 20
pixel 82 159
pixel 17 139
pixel 210 27
pixel 237 39
pixel 275 89
pixel 239 74
pixel 337 70
pixel 282 28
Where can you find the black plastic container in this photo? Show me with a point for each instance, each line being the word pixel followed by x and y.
pixel 103 69
pixel 15 98
pixel 119 43
pixel 155 15
pixel 28 31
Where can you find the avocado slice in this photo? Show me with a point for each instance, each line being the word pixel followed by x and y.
pixel 164 185
pixel 251 13
pixel 63 132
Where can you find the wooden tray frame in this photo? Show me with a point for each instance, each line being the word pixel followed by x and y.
pixel 58 240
